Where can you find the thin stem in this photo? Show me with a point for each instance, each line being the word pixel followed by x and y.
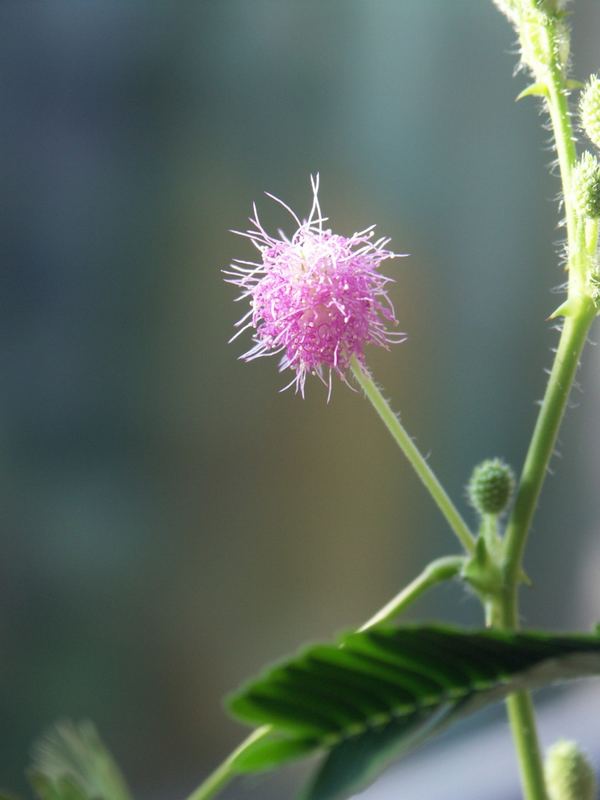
pixel 489 531
pixel 519 706
pixel 412 453
pixel 225 772
pixel 521 717
pixel 571 343
pixel 442 569
pixel 558 108
pixel 522 722
pixel 504 611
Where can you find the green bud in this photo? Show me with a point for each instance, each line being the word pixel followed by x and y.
pixel 589 109
pixel 569 774
pixel 491 486
pixel 586 186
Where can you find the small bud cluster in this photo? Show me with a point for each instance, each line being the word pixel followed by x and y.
pixel 589 109
pixel 586 186
pixel 491 486
pixel 569 775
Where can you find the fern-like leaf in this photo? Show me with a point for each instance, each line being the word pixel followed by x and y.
pixel 377 694
pixel 71 763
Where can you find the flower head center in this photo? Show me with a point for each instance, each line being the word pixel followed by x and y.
pixel 319 318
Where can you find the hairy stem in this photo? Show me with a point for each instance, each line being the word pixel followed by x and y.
pixel 442 569
pixel 519 706
pixel 412 453
pixel 579 315
pixel 558 108
pixel 540 449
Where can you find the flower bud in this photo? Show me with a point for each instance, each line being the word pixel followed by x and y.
pixel 569 774
pixel 491 486
pixel 586 186
pixel 589 109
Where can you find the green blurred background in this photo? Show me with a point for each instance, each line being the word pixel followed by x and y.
pixel 170 521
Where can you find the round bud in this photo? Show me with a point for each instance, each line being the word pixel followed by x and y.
pixel 586 186
pixel 491 486
pixel 569 774
pixel 589 109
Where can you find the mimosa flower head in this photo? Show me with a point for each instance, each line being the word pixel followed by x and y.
pixel 316 298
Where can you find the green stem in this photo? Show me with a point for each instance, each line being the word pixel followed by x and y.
pixel 558 109
pixel 571 343
pixel 579 315
pixel 412 453
pixel 522 722
pixel 521 717
pixel 519 706
pixel 442 569
pixel 226 771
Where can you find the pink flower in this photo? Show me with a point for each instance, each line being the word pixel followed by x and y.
pixel 317 298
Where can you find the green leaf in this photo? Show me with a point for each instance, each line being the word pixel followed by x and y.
pixel 379 693
pixel 71 763
pixel 272 752
pixel 535 90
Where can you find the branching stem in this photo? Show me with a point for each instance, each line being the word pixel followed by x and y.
pixel 501 610
pixel 442 569
pixel 579 314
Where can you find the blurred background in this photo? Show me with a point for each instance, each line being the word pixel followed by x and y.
pixel 170 522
